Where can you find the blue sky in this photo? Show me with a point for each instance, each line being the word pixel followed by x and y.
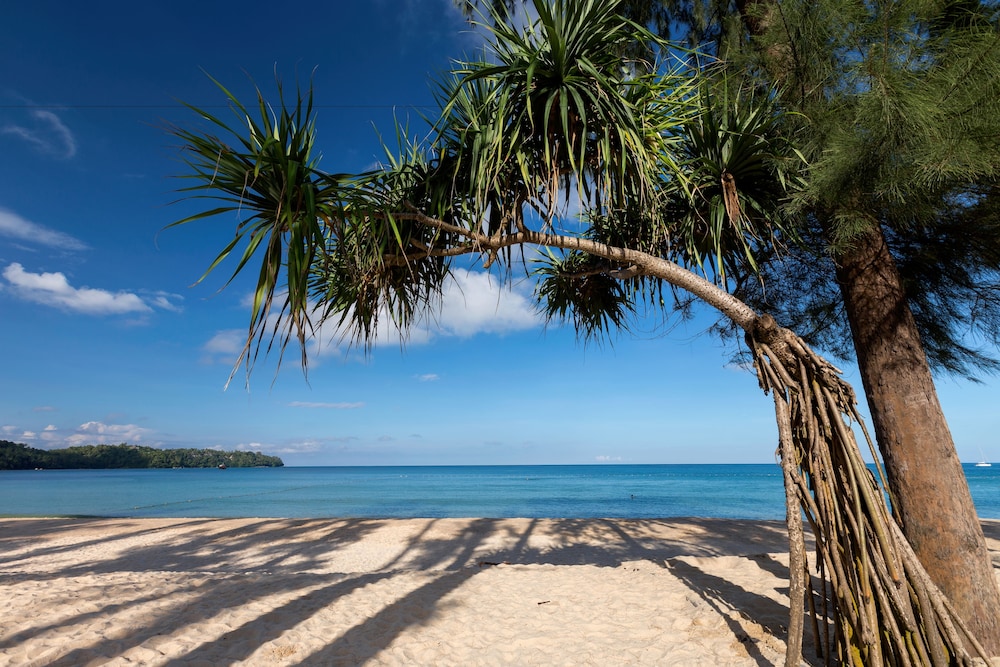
pixel 105 339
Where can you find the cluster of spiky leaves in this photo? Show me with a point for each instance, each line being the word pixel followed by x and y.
pixel 374 264
pixel 743 170
pixel 554 115
pixel 738 168
pixel 265 170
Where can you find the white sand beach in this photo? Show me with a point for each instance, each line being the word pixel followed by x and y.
pixel 215 592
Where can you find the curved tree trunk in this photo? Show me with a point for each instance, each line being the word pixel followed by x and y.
pixel 930 493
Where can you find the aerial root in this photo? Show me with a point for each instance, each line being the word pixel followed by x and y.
pixel 883 607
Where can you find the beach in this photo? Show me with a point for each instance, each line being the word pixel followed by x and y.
pixel 395 591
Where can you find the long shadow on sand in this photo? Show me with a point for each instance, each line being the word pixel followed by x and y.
pixel 294 557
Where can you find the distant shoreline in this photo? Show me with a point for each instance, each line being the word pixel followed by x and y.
pixel 18 456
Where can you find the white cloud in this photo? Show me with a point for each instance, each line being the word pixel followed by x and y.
pixel 226 342
pixel 428 377
pixel 476 302
pixel 607 459
pixel 53 289
pixel 328 406
pixel 43 408
pixel 46 134
pixel 98 433
pixel 90 433
pixel 14 226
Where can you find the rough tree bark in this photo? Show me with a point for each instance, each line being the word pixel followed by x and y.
pixel 930 494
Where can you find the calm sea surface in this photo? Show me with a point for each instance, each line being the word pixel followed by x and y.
pixel 587 491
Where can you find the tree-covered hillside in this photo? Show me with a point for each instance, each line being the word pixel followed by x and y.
pixel 15 456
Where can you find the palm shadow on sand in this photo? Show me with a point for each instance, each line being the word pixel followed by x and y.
pixel 295 556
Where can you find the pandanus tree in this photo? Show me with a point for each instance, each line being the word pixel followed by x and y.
pixel 669 192
pixel 899 264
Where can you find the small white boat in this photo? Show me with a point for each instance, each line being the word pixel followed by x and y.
pixel 983 463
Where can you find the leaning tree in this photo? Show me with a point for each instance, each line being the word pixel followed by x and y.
pixel 901 264
pixel 899 260
pixel 552 116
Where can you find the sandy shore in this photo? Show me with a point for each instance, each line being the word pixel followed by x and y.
pixel 394 592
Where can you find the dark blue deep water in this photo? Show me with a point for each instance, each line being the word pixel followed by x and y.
pixel 587 491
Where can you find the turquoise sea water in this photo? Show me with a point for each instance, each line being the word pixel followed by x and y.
pixel 587 491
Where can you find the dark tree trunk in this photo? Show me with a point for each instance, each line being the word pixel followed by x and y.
pixel 930 492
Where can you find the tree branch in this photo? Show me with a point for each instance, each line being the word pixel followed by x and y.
pixel 642 263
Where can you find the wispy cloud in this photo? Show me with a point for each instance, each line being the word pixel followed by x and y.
pixel 53 289
pixel 428 377
pixel 224 346
pixel 431 21
pixel 14 226
pixel 165 301
pixel 45 132
pixel 326 406
pixel 306 446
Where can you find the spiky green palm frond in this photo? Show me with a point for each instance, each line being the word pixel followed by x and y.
pixel 263 167
pixel 331 249
pixel 573 115
pixel 740 171
pixel 375 266
pixel 577 288
pixel 743 170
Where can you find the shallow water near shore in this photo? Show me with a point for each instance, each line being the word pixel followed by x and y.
pixel 739 491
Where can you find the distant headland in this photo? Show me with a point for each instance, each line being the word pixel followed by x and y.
pixel 16 456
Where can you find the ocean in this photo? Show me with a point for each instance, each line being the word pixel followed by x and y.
pixel 553 491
